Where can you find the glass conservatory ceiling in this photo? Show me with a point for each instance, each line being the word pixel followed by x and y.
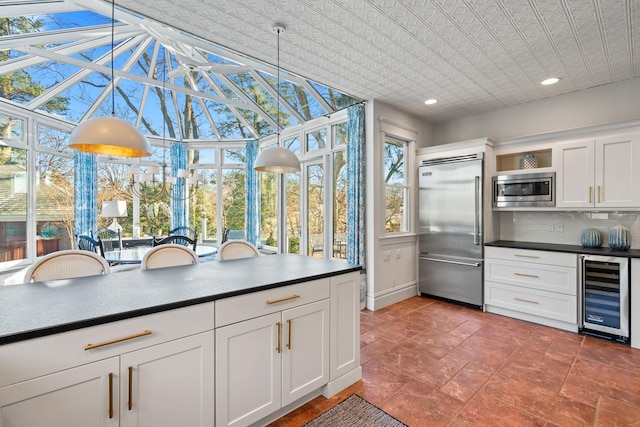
pixel 55 58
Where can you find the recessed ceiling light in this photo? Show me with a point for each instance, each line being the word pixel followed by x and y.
pixel 431 101
pixel 550 81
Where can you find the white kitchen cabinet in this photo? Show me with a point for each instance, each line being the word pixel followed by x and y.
pixel 169 384
pixel 266 362
pixel 537 286
pixel 345 325
pixel 82 377
pixel 598 173
pixel 82 396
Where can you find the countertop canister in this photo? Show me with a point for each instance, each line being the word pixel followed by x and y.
pixel 619 238
pixel 590 238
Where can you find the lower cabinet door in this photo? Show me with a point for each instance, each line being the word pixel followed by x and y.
pixel 83 396
pixel 248 370
pixel 305 356
pixel 169 384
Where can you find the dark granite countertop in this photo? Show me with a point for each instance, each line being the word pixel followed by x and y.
pixel 45 308
pixel 631 253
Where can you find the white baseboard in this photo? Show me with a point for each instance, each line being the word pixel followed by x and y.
pixel 391 296
pixel 342 382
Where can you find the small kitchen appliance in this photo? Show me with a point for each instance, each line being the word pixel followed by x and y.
pixel 604 306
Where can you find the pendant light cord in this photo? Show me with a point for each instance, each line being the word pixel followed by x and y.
pixel 278 94
pixel 113 86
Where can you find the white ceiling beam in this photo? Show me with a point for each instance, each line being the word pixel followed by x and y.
pixel 28 7
pixel 145 91
pixel 316 95
pixel 68 49
pixel 274 93
pixel 144 41
pixel 77 77
pixel 234 110
pixel 134 77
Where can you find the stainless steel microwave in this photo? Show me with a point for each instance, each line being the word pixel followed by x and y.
pixel 527 190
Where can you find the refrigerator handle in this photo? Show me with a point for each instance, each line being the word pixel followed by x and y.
pixel 476 213
pixel 469 264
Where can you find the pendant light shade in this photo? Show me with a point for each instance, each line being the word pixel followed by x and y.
pixel 109 136
pixel 278 160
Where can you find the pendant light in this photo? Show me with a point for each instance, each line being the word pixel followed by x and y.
pixel 277 159
pixel 110 136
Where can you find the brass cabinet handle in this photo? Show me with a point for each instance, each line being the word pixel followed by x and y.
pixel 526 256
pixel 275 301
pixel 526 300
pixel 526 275
pixel 117 340
pixel 130 402
pixel 279 325
pixel 590 194
pixel 289 333
pixel 599 194
pixel 110 394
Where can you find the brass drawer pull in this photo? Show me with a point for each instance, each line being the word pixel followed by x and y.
pixel 110 394
pixel 590 194
pixel 599 194
pixel 279 325
pixel 526 275
pixel 526 300
pixel 289 337
pixel 526 256
pixel 117 340
pixel 130 402
pixel 275 301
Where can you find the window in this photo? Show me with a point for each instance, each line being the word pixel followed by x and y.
pixel 13 217
pixel 315 210
pixel 316 140
pixel 395 186
pixel 292 224
pixel 340 204
pixel 269 209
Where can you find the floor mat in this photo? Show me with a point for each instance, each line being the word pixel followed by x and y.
pixel 354 412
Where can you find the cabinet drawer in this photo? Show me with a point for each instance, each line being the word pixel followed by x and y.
pixel 243 307
pixel 540 303
pixel 40 356
pixel 531 256
pixel 538 276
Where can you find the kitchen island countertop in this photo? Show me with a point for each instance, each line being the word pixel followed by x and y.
pixel 44 308
pixel 631 253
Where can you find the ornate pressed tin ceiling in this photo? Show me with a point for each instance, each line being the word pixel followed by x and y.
pixel 472 55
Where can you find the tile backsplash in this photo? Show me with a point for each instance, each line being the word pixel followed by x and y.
pixel 565 227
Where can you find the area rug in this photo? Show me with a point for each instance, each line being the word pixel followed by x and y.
pixel 354 411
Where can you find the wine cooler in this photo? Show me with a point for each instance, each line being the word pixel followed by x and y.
pixel 604 307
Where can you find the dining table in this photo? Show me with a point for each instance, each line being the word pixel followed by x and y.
pixel 134 255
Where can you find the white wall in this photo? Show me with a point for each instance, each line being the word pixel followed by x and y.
pixel 390 278
pixel 604 104
pixel 565 228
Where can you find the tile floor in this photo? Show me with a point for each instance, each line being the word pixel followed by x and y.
pixel 432 363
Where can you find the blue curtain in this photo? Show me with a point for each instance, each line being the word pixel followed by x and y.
pixel 252 209
pixel 178 191
pixel 356 146
pixel 85 198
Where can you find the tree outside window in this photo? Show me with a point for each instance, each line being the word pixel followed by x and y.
pixel 395 184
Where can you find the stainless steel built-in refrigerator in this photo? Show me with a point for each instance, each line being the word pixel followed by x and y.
pixel 450 221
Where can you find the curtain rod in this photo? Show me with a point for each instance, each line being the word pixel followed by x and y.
pixel 328 115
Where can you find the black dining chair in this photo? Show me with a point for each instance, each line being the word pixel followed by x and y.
pixel 87 243
pixel 108 237
pixel 192 233
pixel 177 239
